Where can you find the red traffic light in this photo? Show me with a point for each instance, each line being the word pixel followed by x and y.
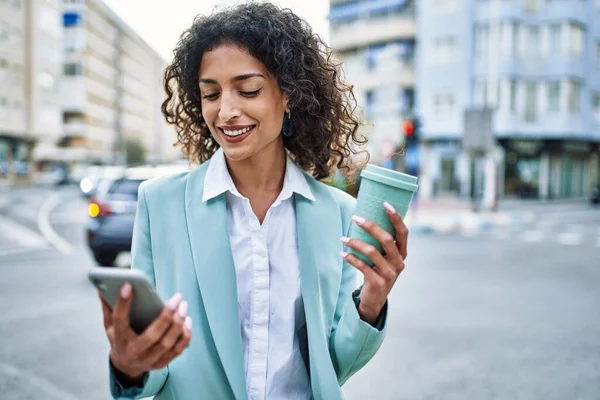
pixel 408 128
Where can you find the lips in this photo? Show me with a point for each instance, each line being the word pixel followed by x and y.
pixel 238 138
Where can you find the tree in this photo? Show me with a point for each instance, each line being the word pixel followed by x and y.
pixel 135 152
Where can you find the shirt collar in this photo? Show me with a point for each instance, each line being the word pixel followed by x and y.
pixel 218 180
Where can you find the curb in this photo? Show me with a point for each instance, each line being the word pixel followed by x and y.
pixel 468 223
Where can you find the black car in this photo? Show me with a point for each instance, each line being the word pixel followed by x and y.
pixel 112 210
pixel 595 197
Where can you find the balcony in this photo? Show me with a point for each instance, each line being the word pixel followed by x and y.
pixel 363 32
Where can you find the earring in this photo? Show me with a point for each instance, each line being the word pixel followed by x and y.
pixel 286 124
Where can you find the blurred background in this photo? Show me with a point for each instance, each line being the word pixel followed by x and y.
pixel 493 104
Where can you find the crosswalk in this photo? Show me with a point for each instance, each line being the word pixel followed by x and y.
pixel 16 238
pixel 577 227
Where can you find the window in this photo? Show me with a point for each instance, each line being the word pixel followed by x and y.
pixel 72 69
pixel 555 42
pixel 598 54
pixel 554 96
pixel 370 102
pixel 533 41
pixel 3 107
pixel 16 4
pixel 481 93
pixel 482 37
pixel 444 50
pixel 530 101
pixel 515 36
pixel 573 92
pixel 3 69
pixel 407 99
pixel 576 40
pixel 596 106
pixel 513 95
pixel 443 103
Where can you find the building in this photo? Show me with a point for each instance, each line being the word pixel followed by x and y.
pixel 111 88
pixel 30 69
pixel 375 39
pixel 536 64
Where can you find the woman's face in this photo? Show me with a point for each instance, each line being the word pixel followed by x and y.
pixel 242 103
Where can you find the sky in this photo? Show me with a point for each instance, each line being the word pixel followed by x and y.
pixel 161 22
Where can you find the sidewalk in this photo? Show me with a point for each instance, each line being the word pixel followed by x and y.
pixel 446 216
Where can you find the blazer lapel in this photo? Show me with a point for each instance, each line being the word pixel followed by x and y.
pixel 318 225
pixel 215 270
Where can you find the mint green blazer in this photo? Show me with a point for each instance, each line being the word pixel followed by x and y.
pixel 183 246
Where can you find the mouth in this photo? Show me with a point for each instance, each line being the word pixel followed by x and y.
pixel 237 135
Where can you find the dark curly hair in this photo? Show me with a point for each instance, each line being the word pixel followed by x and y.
pixel 323 124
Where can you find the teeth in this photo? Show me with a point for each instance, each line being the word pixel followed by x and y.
pixel 237 132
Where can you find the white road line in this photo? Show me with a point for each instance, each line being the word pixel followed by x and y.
pixel 533 236
pixel 22 239
pixel 44 388
pixel 44 224
pixel 569 238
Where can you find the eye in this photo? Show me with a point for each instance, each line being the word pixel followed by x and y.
pixel 211 96
pixel 251 94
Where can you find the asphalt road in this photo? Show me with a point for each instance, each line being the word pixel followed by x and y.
pixel 497 316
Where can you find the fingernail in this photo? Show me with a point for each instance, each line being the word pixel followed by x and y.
pixel 343 254
pixel 358 220
pixel 173 302
pixel 125 290
pixel 183 307
pixel 389 207
pixel 188 323
pixel 345 239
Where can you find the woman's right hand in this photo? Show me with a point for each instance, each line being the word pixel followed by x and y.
pixel 165 338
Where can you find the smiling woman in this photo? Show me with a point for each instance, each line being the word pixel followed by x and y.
pixel 251 239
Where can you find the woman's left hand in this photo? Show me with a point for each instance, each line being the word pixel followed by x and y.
pixel 380 278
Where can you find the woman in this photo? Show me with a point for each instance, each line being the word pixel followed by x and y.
pixel 251 238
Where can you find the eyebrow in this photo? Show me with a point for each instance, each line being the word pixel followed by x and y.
pixel 234 79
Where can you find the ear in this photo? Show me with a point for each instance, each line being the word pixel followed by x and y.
pixel 286 105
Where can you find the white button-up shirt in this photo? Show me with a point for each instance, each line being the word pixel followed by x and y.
pixel 268 283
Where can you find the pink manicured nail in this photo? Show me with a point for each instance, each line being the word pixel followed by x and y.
pixel 183 308
pixel 345 239
pixel 126 290
pixel 358 220
pixel 389 207
pixel 343 254
pixel 188 323
pixel 173 302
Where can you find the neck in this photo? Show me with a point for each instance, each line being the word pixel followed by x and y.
pixel 263 172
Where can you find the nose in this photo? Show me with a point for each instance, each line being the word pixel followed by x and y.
pixel 228 107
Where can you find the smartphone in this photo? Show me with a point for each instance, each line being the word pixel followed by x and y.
pixel 146 304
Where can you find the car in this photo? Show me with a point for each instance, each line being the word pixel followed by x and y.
pixel 111 211
pixel 595 196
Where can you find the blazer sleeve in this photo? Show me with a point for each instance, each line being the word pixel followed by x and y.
pixel 141 258
pixel 353 342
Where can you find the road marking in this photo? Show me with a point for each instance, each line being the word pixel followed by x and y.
pixel 22 239
pixel 44 388
pixel 44 224
pixel 534 236
pixel 569 238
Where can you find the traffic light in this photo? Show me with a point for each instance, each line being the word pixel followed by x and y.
pixel 410 130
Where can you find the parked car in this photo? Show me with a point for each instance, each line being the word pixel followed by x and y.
pixel 96 174
pixel 595 197
pixel 111 211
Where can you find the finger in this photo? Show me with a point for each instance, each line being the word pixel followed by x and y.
pixel 120 315
pixel 158 327
pixel 369 273
pixel 401 229
pixel 384 238
pixel 106 312
pixel 180 346
pixel 167 342
pixel 379 261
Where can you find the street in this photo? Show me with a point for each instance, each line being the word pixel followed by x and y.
pixel 506 314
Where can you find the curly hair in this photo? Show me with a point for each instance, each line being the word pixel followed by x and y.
pixel 324 125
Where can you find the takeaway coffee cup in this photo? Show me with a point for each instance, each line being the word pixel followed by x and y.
pixel 376 186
